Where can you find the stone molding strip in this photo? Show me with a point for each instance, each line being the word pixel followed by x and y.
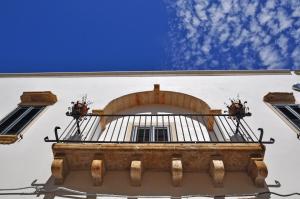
pixel 279 97
pixel 38 98
pixel 8 139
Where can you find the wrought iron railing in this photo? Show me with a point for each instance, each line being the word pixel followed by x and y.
pixel 158 128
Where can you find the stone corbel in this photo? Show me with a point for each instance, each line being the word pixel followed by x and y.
pixel 59 168
pixel 176 171
pixel 97 170
pixel 257 170
pixel 136 172
pixel 217 171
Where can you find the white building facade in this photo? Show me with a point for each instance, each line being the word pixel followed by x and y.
pixel 151 134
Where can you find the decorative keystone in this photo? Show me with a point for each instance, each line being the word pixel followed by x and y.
pixel 257 170
pixel 136 172
pixel 176 172
pixel 217 172
pixel 97 172
pixel 156 88
pixel 59 169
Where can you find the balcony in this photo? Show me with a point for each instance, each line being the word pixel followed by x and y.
pixel 143 131
pixel 178 143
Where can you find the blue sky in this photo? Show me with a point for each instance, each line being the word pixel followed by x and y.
pixel 130 35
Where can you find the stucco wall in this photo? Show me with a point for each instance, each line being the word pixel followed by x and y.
pixel 31 157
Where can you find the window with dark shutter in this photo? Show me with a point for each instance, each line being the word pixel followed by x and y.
pixel 18 119
pixel 291 112
pixel 161 134
pixel 151 134
pixel 143 135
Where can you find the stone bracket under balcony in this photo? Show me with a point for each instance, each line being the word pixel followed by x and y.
pixel 215 159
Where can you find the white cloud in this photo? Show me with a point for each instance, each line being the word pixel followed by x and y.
pixel 254 26
pixel 224 36
pixel 200 12
pixel 296 57
pixel 206 46
pixel 216 14
pixel 284 21
pixel 283 44
pixel 250 9
pixel 242 37
pixel 195 21
pixel 274 27
pixel 265 16
pixel 201 4
pixel 267 39
pixel 226 4
pixel 296 12
pixel 270 57
pixel 248 32
pixel 270 4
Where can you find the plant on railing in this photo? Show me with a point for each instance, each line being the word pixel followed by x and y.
pixel 78 110
pixel 238 110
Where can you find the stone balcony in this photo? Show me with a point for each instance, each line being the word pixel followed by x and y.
pixel 217 159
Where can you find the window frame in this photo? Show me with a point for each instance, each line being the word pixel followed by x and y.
pixel 291 111
pixel 152 133
pixel 18 120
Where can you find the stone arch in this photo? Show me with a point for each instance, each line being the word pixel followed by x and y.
pixel 156 96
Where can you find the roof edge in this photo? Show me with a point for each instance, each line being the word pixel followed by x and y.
pixel 151 73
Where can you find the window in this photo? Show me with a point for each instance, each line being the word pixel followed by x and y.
pixel 18 119
pixel 150 134
pixel 291 112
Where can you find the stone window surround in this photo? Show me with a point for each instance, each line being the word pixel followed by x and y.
pixel 30 98
pixel 281 98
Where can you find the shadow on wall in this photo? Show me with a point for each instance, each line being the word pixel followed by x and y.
pixel 117 184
